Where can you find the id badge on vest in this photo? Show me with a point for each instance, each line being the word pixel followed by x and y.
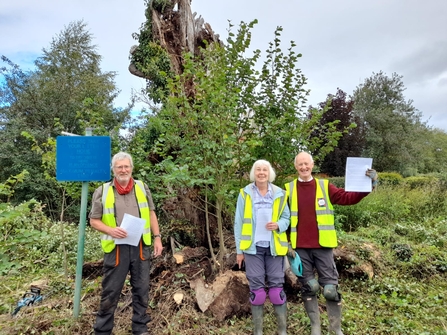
pixel 321 202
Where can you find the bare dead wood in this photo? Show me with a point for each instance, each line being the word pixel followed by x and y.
pixel 41 284
pixel 225 297
pixel 179 259
pixel 177 30
pixel 232 301
pixel 187 31
pixel 133 70
pixel 188 254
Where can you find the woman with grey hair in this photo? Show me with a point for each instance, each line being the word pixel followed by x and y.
pixel 262 218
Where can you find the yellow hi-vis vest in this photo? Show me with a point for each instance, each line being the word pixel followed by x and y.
pixel 279 239
pixel 108 213
pixel 327 236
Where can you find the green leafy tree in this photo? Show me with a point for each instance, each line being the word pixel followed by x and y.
pixel 276 113
pixel 433 145
pixel 66 91
pixel 391 124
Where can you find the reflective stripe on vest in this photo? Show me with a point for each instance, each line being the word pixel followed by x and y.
pixel 279 239
pixel 327 236
pixel 291 194
pixel 108 213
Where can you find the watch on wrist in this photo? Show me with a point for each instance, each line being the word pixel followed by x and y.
pixel 157 235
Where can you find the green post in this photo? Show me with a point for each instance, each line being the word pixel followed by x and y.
pixel 81 240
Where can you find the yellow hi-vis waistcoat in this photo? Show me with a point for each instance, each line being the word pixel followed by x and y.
pixel 279 239
pixel 108 213
pixel 327 236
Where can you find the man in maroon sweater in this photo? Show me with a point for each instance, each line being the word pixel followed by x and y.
pixel 313 236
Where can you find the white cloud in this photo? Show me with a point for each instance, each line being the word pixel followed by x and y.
pixel 343 42
pixel 28 26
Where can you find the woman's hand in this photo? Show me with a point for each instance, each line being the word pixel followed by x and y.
pixel 240 259
pixel 272 226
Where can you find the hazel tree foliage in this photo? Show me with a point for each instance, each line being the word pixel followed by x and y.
pixel 278 118
pixel 201 140
pixel 223 112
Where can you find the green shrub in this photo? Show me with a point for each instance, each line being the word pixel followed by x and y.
pixel 421 232
pixel 30 241
pixel 426 262
pixel 420 182
pixel 338 181
pixel 381 207
pixel 22 227
pixel 426 202
pixel 390 205
pixel 390 178
pixel 403 252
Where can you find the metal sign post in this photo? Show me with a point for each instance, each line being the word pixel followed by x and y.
pixel 82 158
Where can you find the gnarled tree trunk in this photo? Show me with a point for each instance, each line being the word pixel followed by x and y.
pixel 177 30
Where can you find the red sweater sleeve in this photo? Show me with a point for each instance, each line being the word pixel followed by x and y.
pixel 339 196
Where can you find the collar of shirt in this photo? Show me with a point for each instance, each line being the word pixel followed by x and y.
pixel 305 181
pixel 256 189
pixel 259 199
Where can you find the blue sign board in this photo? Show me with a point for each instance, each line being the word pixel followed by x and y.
pixel 83 158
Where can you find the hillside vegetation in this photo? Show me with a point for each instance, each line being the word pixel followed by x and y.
pixel 400 230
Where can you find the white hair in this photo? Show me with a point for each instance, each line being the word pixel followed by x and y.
pixel 262 162
pixel 120 156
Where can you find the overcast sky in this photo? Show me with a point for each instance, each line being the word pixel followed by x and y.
pixel 343 42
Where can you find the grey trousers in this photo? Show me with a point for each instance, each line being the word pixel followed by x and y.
pixel 321 259
pixel 263 269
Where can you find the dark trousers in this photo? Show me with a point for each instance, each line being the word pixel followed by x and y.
pixel 321 259
pixel 117 264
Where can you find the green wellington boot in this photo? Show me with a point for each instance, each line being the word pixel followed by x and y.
pixel 281 317
pixel 311 307
pixel 334 315
pixel 257 312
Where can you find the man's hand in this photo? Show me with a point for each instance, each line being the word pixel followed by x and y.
pixel 158 248
pixel 291 252
pixel 371 173
pixel 117 232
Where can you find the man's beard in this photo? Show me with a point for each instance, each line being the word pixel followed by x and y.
pixel 123 179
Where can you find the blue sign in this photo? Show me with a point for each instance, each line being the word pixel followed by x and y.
pixel 83 158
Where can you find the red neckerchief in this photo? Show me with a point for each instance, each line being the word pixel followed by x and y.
pixel 123 190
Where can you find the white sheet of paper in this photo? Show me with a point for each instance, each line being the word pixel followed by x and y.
pixel 263 216
pixel 355 178
pixel 134 227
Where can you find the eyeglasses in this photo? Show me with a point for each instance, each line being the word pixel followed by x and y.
pixel 122 167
